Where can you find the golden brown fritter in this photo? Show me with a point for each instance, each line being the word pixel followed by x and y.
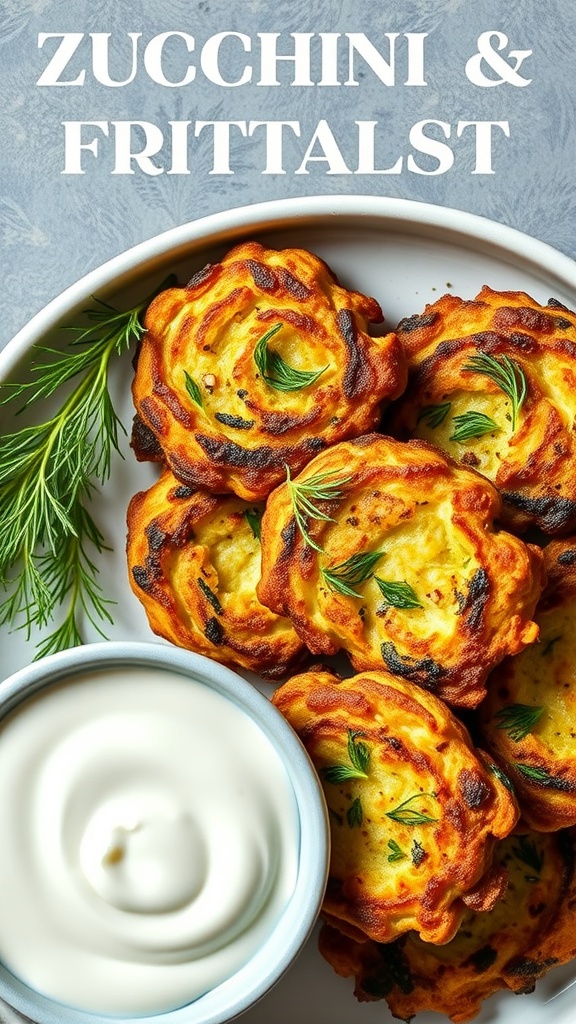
pixel 387 550
pixel 193 560
pixel 493 383
pixel 257 364
pixel 528 719
pixel 414 809
pixel 531 929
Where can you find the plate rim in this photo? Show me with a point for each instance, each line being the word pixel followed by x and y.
pixel 452 225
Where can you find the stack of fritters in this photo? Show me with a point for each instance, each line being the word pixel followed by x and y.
pixel 529 930
pixel 283 526
pixel 415 810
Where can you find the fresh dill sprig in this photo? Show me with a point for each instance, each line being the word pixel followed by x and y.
pixel 398 593
pixel 472 424
pixel 434 415
pixel 48 473
pixel 253 517
pixel 305 495
pixel 278 373
pixel 518 720
pixel 406 815
pixel 506 374
pixel 356 569
pixel 193 389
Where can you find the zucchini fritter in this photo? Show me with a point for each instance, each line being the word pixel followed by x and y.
pixel 528 719
pixel 257 364
pixel 387 550
pixel 194 559
pixel 414 809
pixel 493 383
pixel 531 929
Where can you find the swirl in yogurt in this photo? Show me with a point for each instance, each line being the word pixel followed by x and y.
pixel 149 840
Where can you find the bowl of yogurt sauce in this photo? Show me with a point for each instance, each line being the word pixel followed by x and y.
pixel 163 839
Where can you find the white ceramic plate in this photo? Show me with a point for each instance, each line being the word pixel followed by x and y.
pixel 405 254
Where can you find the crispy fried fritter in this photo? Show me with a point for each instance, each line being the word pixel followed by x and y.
pixel 401 566
pixel 528 719
pixel 531 929
pixel 260 362
pixel 194 559
pixel 414 808
pixel 529 455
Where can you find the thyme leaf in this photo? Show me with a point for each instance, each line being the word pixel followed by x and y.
pixel 406 815
pixel 356 569
pixel 359 756
pixel 506 373
pixel 472 424
pixel 305 495
pixel 355 814
pixel 253 517
pixel 193 389
pixel 398 594
pixel 518 720
pixel 434 415
pixel 278 373
pixel 501 776
pixel 541 776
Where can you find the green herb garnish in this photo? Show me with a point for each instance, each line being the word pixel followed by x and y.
pixel 472 424
pixel 398 594
pixel 193 389
pixel 535 774
pixel 253 517
pixel 434 415
pixel 356 569
pixel 355 814
pixel 276 372
pixel 518 720
pixel 359 756
pixel 48 473
pixel 406 815
pixel 501 776
pixel 396 853
pixel 506 374
pixel 550 646
pixel 305 495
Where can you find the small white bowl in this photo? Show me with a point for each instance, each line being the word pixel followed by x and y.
pixel 289 933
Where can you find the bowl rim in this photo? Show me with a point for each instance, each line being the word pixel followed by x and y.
pixel 230 225
pixel 251 982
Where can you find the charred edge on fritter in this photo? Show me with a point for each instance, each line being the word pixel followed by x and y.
pixel 567 557
pixel 391 971
pixel 424 671
pixel 228 453
pixel 213 632
pixel 356 373
pixel 416 321
pixel 237 422
pixel 477 597
pixel 473 789
pixel 155 536
pixel 262 276
pixel 552 513
pixel 291 284
pixel 202 275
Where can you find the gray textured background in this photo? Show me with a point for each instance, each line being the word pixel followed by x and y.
pixel 54 228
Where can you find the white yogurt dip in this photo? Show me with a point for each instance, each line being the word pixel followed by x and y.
pixel 148 840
